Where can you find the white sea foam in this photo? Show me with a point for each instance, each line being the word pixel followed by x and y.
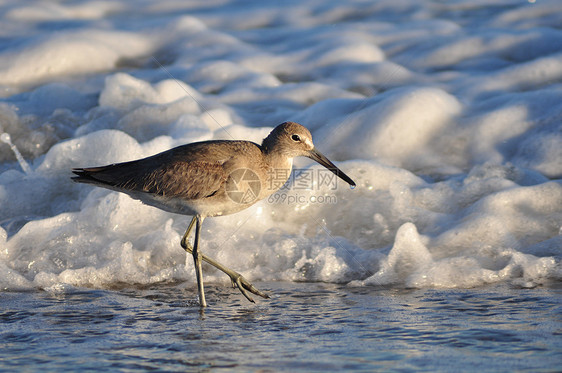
pixel 448 117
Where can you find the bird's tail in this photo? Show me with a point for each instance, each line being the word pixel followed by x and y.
pixel 92 175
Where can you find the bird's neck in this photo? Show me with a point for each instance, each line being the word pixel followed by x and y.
pixel 279 171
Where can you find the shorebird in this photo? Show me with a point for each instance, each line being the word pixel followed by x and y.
pixel 211 178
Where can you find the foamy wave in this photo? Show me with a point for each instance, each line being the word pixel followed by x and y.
pixel 451 130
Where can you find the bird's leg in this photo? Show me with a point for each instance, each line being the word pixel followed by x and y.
pixel 197 260
pixel 237 279
pixel 197 256
pixel 184 243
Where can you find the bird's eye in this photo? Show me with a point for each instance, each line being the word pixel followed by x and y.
pixel 296 138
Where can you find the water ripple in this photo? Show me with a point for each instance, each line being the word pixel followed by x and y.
pixel 304 327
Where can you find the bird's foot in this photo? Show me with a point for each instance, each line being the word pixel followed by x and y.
pixel 237 279
pixel 244 286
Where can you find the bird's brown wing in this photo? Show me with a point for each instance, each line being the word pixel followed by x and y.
pixel 185 180
pixel 191 171
pixel 180 179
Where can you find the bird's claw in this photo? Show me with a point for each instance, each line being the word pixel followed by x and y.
pixel 238 281
pixel 244 286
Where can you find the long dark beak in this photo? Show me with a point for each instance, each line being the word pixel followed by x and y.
pixel 320 158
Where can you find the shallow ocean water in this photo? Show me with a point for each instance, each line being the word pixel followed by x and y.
pixel 304 327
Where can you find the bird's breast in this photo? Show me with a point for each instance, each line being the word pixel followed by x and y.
pixel 276 176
